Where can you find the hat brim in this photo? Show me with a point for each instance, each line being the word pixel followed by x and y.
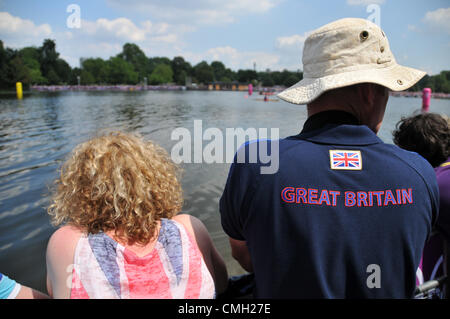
pixel 396 78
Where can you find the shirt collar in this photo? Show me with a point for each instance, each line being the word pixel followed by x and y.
pixel 338 128
pixel 319 120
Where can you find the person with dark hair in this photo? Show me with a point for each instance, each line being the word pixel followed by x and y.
pixel 428 134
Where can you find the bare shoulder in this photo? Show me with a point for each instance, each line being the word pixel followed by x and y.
pixel 212 258
pixel 60 256
pixel 64 235
pixel 192 224
pixel 63 242
pixel 198 231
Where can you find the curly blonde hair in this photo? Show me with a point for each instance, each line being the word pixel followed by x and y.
pixel 117 182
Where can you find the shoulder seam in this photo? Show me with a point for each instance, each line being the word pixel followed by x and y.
pixel 430 193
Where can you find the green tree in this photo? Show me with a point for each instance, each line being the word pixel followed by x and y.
pixel 98 68
pixel 136 57
pixel 426 82
pixel 180 69
pixel 266 79
pixel 63 70
pixel 121 72
pixel 20 71
pixel 225 79
pixel 155 61
pixel 292 79
pixel 3 65
pixel 246 76
pixel 30 53
pixel 13 69
pixel 86 78
pixel 36 77
pixel 284 77
pixel 47 60
pixel 53 77
pixel 230 74
pixel 30 58
pixel 441 84
pixel 6 74
pixel 276 77
pixel 161 74
pixel 74 76
pixel 219 70
pixel 203 72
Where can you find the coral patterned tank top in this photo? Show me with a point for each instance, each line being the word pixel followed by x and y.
pixel 173 269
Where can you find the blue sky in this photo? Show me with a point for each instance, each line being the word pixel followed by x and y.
pixel 238 32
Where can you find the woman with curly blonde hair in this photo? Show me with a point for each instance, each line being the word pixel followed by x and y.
pixel 118 197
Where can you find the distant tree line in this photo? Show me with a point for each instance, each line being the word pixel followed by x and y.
pixel 437 83
pixel 42 65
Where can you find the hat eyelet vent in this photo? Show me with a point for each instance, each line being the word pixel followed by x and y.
pixel 364 35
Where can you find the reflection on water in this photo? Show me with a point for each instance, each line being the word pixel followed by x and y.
pixel 37 132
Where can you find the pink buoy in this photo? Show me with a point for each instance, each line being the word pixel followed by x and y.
pixel 250 89
pixel 426 98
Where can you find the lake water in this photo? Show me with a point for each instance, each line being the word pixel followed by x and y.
pixel 36 134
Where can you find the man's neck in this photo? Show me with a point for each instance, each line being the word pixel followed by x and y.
pixel 315 109
pixel 321 119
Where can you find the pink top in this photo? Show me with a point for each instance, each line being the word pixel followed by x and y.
pixel 173 269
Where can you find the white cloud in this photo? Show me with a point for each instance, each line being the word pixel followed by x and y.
pixel 291 48
pixel 122 28
pixel 168 38
pixel 100 38
pixel 158 28
pixel 104 38
pixel 235 59
pixel 16 31
pixel 293 42
pixel 197 12
pixel 364 2
pixel 11 25
pixel 439 19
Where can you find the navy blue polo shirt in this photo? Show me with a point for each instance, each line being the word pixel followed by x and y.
pixel 345 215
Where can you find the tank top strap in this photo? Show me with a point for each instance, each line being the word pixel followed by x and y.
pixel 193 279
pixel 170 237
pixel 104 249
pixel 96 271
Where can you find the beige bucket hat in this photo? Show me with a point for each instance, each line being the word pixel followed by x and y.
pixel 347 52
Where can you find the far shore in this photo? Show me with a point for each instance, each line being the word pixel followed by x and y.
pixel 172 87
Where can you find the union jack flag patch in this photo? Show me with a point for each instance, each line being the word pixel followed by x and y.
pixel 347 160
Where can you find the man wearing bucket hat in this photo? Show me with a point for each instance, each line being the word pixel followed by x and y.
pixel 346 215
